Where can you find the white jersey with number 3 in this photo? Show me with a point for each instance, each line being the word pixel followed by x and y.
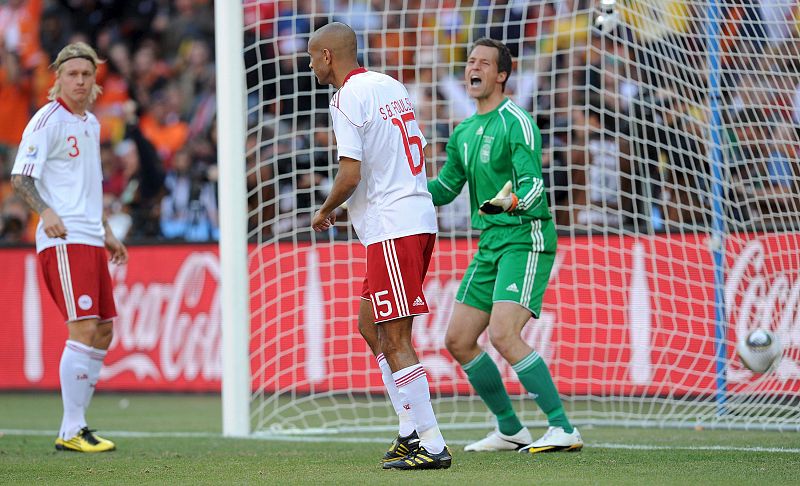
pixel 61 152
pixel 374 123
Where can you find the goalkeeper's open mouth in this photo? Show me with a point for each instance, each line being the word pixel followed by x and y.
pixel 475 85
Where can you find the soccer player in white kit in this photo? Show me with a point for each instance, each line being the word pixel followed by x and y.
pixel 57 172
pixel 382 177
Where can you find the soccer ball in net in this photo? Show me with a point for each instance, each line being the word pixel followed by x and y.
pixel 607 18
pixel 759 350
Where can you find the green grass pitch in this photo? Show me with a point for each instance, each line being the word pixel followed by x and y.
pixel 175 439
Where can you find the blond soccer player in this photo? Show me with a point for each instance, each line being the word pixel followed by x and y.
pixel 57 172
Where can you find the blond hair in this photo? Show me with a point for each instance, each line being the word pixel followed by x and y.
pixel 75 50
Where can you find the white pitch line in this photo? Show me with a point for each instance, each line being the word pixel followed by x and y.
pixel 599 445
pixel 118 433
pixel 645 447
pixel 379 440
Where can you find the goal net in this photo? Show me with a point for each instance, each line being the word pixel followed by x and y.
pixel 670 132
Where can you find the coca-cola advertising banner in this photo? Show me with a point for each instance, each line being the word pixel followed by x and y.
pixel 622 315
pixel 166 335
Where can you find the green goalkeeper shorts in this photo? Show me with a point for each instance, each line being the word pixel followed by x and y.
pixel 512 264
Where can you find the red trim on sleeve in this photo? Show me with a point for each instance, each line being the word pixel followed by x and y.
pixel 44 117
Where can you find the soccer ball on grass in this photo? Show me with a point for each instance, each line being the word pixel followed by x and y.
pixel 759 350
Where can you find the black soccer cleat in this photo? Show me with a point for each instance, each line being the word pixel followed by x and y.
pixel 401 447
pixel 422 459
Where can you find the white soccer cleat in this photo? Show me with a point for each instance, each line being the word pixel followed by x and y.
pixel 554 440
pixel 496 441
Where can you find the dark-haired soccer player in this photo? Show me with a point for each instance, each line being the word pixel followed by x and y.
pixel 382 177
pixel 498 152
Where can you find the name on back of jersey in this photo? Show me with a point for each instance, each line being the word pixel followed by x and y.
pixel 395 108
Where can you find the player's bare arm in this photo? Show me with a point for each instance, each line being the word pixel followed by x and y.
pixel 119 254
pixel 26 189
pixel 344 185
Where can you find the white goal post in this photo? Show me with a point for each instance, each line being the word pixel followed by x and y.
pixel 671 133
pixel 235 298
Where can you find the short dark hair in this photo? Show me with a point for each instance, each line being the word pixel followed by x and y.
pixel 504 61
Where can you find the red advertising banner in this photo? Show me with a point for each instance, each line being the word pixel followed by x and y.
pixel 166 335
pixel 622 315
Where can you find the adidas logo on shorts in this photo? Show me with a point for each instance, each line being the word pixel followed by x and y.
pixel 418 302
pixel 512 287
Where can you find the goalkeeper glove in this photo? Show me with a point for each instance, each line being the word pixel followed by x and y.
pixel 504 201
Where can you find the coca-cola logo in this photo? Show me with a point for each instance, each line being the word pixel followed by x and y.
pixel 758 295
pixel 169 330
pixel 756 298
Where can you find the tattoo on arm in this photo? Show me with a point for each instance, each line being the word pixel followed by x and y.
pixel 26 189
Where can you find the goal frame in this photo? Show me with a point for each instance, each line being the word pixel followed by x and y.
pixel 234 282
pixel 238 411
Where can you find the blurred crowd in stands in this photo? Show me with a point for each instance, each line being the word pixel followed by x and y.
pixel 625 112
pixel 157 111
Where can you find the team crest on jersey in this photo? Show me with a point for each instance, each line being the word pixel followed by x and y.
pixel 31 150
pixel 486 149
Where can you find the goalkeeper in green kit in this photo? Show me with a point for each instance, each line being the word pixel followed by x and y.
pixel 498 152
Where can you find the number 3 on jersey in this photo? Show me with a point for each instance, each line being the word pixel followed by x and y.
pixel 410 140
pixel 73 143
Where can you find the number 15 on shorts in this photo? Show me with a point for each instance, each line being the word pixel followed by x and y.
pixel 381 306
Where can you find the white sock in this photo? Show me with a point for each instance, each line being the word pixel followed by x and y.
pixel 406 424
pixel 74 374
pixel 95 364
pixel 412 382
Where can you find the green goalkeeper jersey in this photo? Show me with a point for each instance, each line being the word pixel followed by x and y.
pixel 485 151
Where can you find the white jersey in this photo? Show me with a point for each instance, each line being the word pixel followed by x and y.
pixel 61 151
pixel 374 122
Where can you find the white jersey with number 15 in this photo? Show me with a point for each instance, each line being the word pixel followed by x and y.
pixel 374 122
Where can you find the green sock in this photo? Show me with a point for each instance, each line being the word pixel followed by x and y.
pixel 535 377
pixel 485 378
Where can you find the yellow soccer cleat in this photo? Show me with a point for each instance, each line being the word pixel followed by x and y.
pixel 85 441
